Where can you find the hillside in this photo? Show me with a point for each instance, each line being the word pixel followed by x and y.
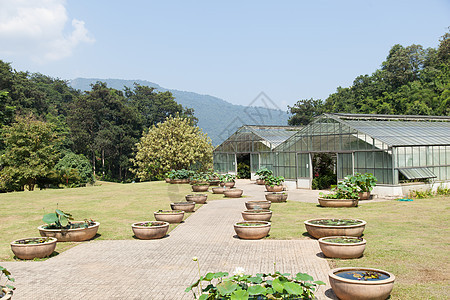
pixel 216 117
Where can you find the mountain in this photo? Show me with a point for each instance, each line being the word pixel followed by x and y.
pixel 217 117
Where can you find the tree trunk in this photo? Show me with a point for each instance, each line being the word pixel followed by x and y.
pixel 93 161
pixel 103 164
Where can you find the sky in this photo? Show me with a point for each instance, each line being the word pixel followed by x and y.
pixel 234 50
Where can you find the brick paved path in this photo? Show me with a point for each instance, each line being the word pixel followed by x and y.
pixel 162 269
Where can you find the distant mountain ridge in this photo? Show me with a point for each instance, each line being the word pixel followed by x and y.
pixel 217 117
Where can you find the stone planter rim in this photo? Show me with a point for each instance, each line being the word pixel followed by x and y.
pixel 266 224
pixel 41 227
pixel 53 240
pixel 322 240
pixel 193 195
pixel 332 272
pixel 157 226
pixel 248 211
pixel 169 212
pixel 307 222
pixel 182 203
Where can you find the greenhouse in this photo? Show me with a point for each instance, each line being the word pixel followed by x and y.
pixel 401 151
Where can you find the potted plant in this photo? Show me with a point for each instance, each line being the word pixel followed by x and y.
pixel 361 283
pixel 345 194
pixel 261 286
pixel 262 174
pixel 6 290
pixel 227 180
pixel 197 198
pixel 149 230
pixel 219 189
pixel 274 183
pixel 35 247
pixel 59 226
pixel 257 215
pixel 323 227
pixel 252 230
pixel 184 206
pixel 180 176
pixel 170 216
pixel 200 183
pixel 276 197
pixel 213 178
pixel 258 204
pixel 233 193
pixel 366 182
pixel 343 247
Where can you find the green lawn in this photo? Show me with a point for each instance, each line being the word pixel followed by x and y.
pixel 409 239
pixel 115 206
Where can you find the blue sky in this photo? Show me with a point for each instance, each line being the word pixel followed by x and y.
pixel 234 50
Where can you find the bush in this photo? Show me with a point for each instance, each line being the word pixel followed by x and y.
pixel 243 170
pixel 74 170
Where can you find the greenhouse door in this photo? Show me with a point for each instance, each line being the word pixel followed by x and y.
pixel 254 165
pixel 304 173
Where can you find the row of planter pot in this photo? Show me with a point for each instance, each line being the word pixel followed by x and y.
pixel 330 202
pixel 341 238
pixel 256 223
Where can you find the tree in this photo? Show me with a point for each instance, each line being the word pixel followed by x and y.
pixel 304 111
pixel 173 144
pixel 77 164
pixel 31 151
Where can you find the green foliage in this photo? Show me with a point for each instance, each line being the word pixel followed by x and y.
pixel 58 219
pixel 442 191
pixel 304 111
pixel 351 186
pixel 75 169
pixel 274 180
pixel 261 286
pixel 31 151
pixel 181 174
pixel 419 194
pixel 366 182
pixel 8 278
pixel 323 182
pixel 224 178
pixel 263 173
pixel 243 170
pixel 173 144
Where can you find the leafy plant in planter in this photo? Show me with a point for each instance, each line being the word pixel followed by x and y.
pixel 263 173
pixel 61 220
pixel 227 178
pixel 365 182
pixel 4 287
pixel 220 285
pixel 274 180
pixel 200 178
pixel 344 190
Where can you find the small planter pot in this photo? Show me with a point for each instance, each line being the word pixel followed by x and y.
pixel 30 251
pixel 364 195
pixel 157 230
pixel 233 193
pixel 197 198
pixel 360 289
pixel 200 188
pixel 353 248
pixel 70 235
pixel 257 230
pixel 260 182
pixel 255 204
pixel 184 206
pixel 275 188
pixel 276 197
pixel 7 293
pixel 228 184
pixel 257 215
pixel 219 190
pixel 338 202
pixel 319 230
pixel 169 216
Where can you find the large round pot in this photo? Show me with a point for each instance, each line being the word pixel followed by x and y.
pixel 7 293
pixel 70 235
pixel 338 202
pixel 156 231
pixel 184 206
pixel 228 184
pixel 200 188
pixel 233 193
pixel 197 198
pixel 260 182
pixel 354 289
pixel 30 251
pixel 169 216
pixel 334 249
pixel 318 231
pixel 275 188
pixel 219 190
pixel 258 230
pixel 364 195
pixel 255 204
pixel 257 215
pixel 179 181
pixel 214 182
pixel 276 197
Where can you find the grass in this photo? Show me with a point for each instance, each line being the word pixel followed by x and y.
pixel 116 206
pixel 409 239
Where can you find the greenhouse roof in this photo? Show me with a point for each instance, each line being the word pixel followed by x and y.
pixel 275 135
pixel 395 130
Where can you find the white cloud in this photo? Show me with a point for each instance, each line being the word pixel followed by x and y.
pixel 36 29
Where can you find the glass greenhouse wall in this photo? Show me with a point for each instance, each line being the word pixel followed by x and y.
pixel 395 149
